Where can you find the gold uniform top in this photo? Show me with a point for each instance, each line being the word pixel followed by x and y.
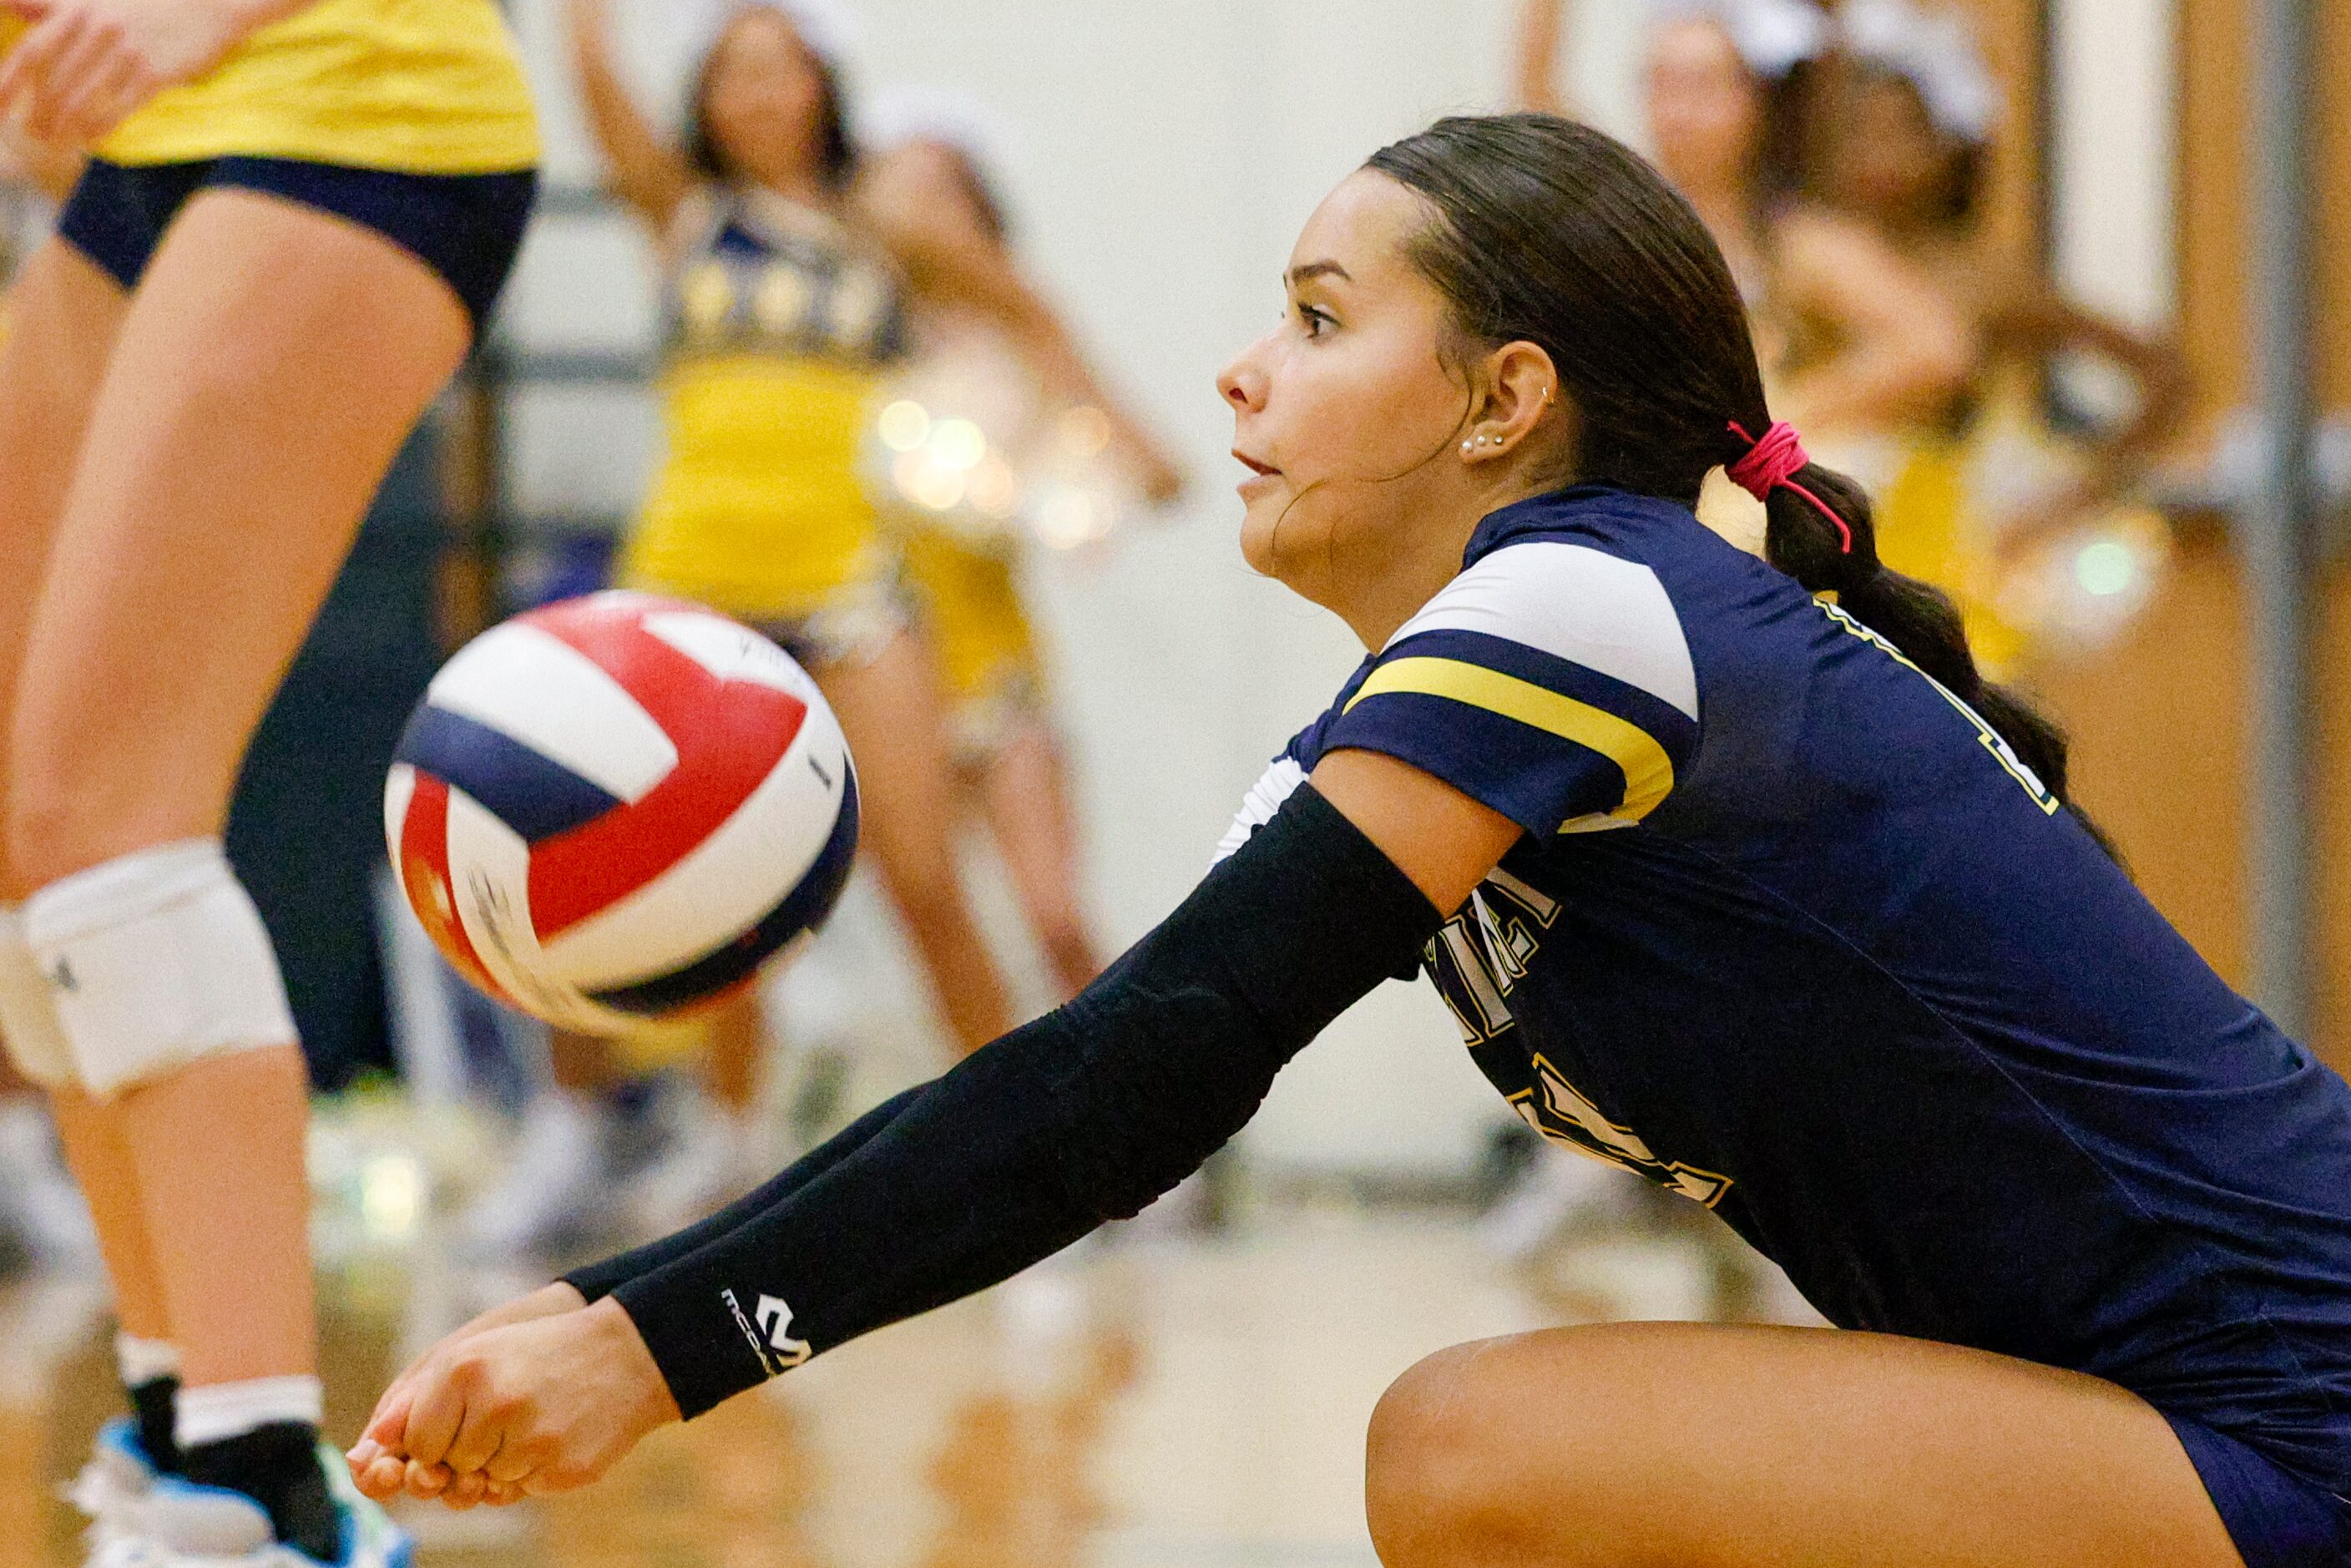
pixel 413 87
pixel 779 324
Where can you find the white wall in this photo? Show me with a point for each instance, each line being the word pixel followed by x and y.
pixel 2114 80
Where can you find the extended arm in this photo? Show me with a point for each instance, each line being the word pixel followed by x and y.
pixel 1084 1115
pixel 646 172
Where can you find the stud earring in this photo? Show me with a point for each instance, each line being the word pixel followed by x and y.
pixel 1465 448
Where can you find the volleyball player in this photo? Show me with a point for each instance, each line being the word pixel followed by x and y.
pixel 294 221
pixel 1735 871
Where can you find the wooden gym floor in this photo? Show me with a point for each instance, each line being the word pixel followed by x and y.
pixel 1154 1404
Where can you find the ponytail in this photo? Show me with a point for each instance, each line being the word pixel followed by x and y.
pixel 1821 531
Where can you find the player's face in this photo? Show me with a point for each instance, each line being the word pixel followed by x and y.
pixel 764 99
pixel 1345 412
pixel 1703 106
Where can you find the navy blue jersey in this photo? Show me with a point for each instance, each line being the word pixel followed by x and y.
pixel 1794 932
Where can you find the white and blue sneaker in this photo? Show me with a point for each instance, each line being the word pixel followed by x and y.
pixel 114 1481
pixel 179 1524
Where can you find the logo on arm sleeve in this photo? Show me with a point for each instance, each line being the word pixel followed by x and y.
pixel 770 1336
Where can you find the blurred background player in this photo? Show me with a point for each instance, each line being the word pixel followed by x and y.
pixel 787 306
pixel 1931 399
pixel 290 230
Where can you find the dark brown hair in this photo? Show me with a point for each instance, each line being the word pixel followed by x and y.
pixel 1545 231
pixel 836 152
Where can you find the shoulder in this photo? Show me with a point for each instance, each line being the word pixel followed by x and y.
pixel 1567 601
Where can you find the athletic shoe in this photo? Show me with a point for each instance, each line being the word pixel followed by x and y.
pixel 179 1524
pixel 557 1186
pixel 113 1483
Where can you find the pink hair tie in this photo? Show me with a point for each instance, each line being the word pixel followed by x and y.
pixel 1773 460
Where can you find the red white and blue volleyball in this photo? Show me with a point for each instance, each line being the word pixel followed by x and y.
pixel 619 806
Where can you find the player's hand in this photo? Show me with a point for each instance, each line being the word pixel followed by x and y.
pixel 87 64
pixel 537 1407
pixel 383 1475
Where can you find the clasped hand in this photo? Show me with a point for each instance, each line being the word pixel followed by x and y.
pixel 543 1395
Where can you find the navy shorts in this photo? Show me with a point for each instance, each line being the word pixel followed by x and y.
pixel 2277 1519
pixel 465 227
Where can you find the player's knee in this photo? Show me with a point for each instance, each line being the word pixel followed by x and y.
pixel 1436 1474
pixel 154 960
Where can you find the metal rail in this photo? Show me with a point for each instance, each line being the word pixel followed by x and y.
pixel 2280 523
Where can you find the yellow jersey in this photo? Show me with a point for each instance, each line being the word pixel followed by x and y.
pixel 778 322
pixel 413 87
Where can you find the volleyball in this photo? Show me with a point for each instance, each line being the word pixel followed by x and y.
pixel 619 806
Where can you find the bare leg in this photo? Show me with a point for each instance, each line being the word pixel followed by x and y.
pixel 1678 1445
pixel 100 1160
pixel 271 364
pixel 891 712
pixel 1026 792
pixel 65 317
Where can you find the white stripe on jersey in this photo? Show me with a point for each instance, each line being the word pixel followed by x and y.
pixel 1264 798
pixel 1575 603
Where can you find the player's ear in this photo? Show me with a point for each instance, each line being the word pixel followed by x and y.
pixel 1521 397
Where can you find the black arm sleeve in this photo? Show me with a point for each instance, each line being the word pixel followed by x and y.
pixel 1085 1116
pixel 598 1280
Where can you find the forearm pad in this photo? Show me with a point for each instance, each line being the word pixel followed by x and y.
pixel 1087 1115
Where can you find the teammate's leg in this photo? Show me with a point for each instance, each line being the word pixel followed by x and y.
pixel 270 366
pixel 66 315
pixel 1025 789
pixel 891 713
pixel 1691 1446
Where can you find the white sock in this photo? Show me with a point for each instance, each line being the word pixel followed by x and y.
pixel 144 1361
pixel 223 1410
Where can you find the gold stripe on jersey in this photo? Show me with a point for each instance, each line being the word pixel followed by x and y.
pixel 413 87
pixel 1648 771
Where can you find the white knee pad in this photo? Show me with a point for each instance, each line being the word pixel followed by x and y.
pixel 155 960
pixel 28 1018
